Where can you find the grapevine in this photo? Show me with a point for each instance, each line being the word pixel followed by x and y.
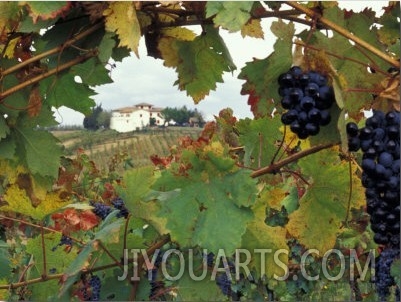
pixel 301 201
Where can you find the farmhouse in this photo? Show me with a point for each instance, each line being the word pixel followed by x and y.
pixel 135 117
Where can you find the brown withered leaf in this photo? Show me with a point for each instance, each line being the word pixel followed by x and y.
pixel 95 9
pixel 35 101
pixel 24 182
pixel 389 97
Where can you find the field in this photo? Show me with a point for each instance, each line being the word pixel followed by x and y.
pixel 103 145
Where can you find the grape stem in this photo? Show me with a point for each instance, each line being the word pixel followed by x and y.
pixel 342 31
pixel 275 167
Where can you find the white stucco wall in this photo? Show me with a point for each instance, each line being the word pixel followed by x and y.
pixel 126 122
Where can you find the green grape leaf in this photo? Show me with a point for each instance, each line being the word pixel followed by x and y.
pixel 121 18
pixel 208 208
pixel 7 147
pixel 19 99
pixel 202 63
pixel 261 75
pixel 106 47
pixel 28 25
pixel 65 91
pixel 44 293
pixel 231 15
pixel 115 290
pixel 5 263
pixel 9 10
pixel 258 138
pixel 291 201
pixel 202 290
pixel 323 207
pixel 4 129
pixel 389 32
pixel 110 233
pixel 59 259
pixel 137 185
pixel 47 10
pixel 362 25
pixel 92 72
pixel 335 14
pixel 40 151
pixel 119 53
pixel 137 193
pixel 395 271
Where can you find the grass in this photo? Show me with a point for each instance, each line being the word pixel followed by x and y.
pixel 102 145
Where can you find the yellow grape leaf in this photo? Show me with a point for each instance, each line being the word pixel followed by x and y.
pixel 4 293
pixel 10 172
pixel 166 17
pixel 121 18
pixel 183 34
pixel 291 140
pixel 253 29
pixel 273 197
pixel 18 201
pixel 167 47
pixel 9 53
pixel 323 208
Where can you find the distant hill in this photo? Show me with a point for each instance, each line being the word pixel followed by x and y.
pixel 102 145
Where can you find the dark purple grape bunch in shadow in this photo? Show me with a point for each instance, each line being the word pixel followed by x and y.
pixel 307 97
pixel 379 141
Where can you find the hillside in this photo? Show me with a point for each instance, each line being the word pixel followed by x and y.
pixel 102 145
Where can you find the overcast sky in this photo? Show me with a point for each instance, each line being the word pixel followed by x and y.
pixel 147 80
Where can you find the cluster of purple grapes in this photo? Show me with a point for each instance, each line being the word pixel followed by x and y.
pixel 380 144
pixel 222 280
pixel 118 203
pixel 379 141
pixel 383 278
pixel 307 98
pixel 64 240
pixel 224 284
pixel 95 284
pixel 102 210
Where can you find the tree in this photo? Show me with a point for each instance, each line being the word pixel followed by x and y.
pixel 91 121
pixel 103 119
pixel 241 188
pixel 181 115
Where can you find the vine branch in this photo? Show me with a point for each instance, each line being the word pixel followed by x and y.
pixel 47 74
pixel 52 51
pixel 275 167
